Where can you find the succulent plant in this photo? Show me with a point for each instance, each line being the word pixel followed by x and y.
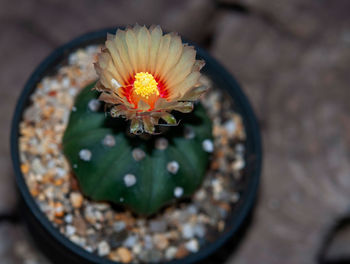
pixel 141 167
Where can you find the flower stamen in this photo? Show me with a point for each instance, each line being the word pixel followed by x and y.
pixel 145 85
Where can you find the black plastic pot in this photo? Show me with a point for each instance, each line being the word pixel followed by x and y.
pixel 59 248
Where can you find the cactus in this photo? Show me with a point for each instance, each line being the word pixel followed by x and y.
pixel 142 173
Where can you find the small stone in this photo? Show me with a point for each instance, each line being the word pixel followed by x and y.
pixel 94 105
pixel 192 245
pixel 238 164
pixel 173 167
pixel 170 253
pixel 199 230
pixel 38 167
pixel 74 109
pixel 76 199
pixel 230 127
pixel 187 231
pixel 221 226
pixel 25 168
pixel 70 230
pixel 181 252
pixel 85 155
pixel 68 218
pixel 208 145
pixel 138 154
pixel 160 241
pixel 130 241
pixel 200 195
pixel 161 143
pixel 119 226
pixel 129 180
pixel 80 225
pixel 148 242
pixel 124 255
pixel 136 249
pixel 108 141
pixel 178 192
pixel 157 226
pixel 58 209
pixel 75 166
pixel 103 249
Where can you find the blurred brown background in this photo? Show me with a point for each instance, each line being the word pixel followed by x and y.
pixel 292 58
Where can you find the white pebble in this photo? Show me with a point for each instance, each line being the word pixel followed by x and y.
pixel 129 180
pixel 187 231
pixel 161 143
pixel 85 155
pixel 121 199
pixel 103 249
pixel 208 145
pixel 130 241
pixel 199 230
pixel 178 191
pixel 108 141
pixel 192 245
pixel 68 218
pixel 74 109
pixel 170 253
pixel 65 82
pixel 94 105
pixel 238 164
pixel 230 127
pixel 119 226
pixel 75 166
pixel 70 230
pixel 173 167
pixel 138 154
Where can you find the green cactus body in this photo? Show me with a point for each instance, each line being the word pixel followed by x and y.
pixel 142 174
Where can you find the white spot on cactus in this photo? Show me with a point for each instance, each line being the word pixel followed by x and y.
pixel 85 155
pixel 115 83
pixel 208 145
pixel 178 192
pixel 75 166
pixel 129 180
pixel 74 109
pixel 108 141
pixel 173 167
pixel 189 133
pixel 138 154
pixel 94 105
pixel 161 143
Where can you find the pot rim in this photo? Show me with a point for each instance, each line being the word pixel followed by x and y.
pixel 249 119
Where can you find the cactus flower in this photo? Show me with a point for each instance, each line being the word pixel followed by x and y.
pixel 144 75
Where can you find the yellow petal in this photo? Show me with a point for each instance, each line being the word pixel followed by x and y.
pixel 144 40
pixel 106 62
pixel 119 65
pixel 156 35
pixel 175 51
pixel 132 45
pixel 188 83
pixel 162 53
pixel 183 67
pixel 120 42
